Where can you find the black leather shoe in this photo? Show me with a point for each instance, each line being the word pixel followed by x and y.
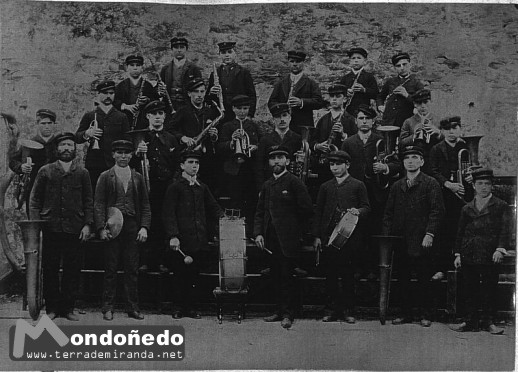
pixel 273 318
pixel 135 315
pixel 192 314
pixel 300 273
pixel 177 315
pixel 350 319
pixel 399 321
pixel 72 317
pixel 330 318
pixel 463 327
pixel 108 315
pixel 494 330
pixel 286 323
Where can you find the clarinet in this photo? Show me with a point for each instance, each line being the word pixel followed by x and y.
pixel 137 111
pixel 350 99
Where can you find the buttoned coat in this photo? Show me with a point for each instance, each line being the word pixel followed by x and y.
pixel 63 199
pixel 351 193
pixel 323 130
pixel 190 72
pixel 285 204
pixel 370 84
pixel 306 89
pixel 106 197
pixel 187 212
pixel 480 233
pixel 413 212
pixel 122 95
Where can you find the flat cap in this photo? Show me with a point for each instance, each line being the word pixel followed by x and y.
pixel 279 108
pixel 154 106
pixel 226 45
pixel 123 145
pixel 241 100
pixel 451 122
pixel 482 173
pixel 194 83
pixel 177 41
pixel 339 156
pixel 64 136
pixel 336 89
pixel 370 113
pixel 411 150
pixel 278 150
pixel 135 59
pixel 105 85
pixel 297 55
pixel 422 95
pixel 357 50
pixel 399 56
pixel 46 113
pixel 190 154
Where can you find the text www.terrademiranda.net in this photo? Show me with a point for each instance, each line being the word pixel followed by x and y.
pixel 97 355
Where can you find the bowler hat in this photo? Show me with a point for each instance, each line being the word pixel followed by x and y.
pixel 123 145
pixel 46 113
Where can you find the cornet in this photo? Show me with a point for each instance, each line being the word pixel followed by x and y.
pixel 95 126
pixel 424 132
pixel 242 146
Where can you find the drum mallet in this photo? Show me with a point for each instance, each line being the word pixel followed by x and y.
pixel 186 259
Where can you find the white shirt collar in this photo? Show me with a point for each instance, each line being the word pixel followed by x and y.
pixel 342 179
pixel 295 78
pixel 276 176
pixel 192 179
pixel 412 177
pixel 480 203
pixel 179 62
pixel 65 165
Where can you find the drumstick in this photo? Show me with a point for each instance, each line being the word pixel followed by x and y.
pixel 267 250
pixel 187 259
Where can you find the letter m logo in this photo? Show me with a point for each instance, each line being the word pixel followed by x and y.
pixel 23 328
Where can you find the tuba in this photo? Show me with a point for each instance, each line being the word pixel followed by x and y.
pixel 467 161
pixel 33 249
pixel 242 146
pixel 386 149
pixel 138 136
pixel 21 193
pixel 302 158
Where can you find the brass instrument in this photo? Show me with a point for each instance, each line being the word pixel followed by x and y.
pixel 467 161
pixel 220 94
pixel 392 93
pixel 332 136
pixel 33 249
pixel 139 108
pixel 242 146
pixel 350 98
pixel 302 158
pixel 21 193
pixel 197 145
pixel 95 125
pixel 387 152
pixel 423 133
pixel 138 137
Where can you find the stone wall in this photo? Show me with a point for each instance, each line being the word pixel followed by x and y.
pixel 53 53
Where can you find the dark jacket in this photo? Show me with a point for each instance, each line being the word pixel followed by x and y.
pixel 187 212
pixel 114 125
pixel 366 79
pixel 411 213
pixel 122 95
pixel 285 204
pixel 190 72
pixel 323 130
pixel 308 90
pixel 106 196
pixel 64 199
pixel 351 193
pixel 480 233
pixel 239 81
pixel 189 122
pixel 398 108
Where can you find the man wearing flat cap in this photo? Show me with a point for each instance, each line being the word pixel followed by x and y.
pixel 233 79
pixel 99 128
pixel 300 92
pixel 361 85
pixel 123 188
pixel 134 92
pixel 179 72
pixel 483 237
pixel 62 196
pixel 394 99
pixel 281 135
pixel 283 209
pixel 414 211
pixel 163 154
pixel 45 128
pixel 337 196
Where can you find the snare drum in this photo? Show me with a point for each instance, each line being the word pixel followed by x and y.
pixel 343 230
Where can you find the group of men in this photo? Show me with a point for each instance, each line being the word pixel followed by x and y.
pixel 193 143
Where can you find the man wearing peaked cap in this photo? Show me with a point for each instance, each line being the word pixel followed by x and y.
pixel 415 210
pixel 62 196
pixel 134 92
pixel 232 79
pixel 100 128
pixel 278 150
pixel 45 134
pixel 123 188
pixel 361 84
pixel 179 72
pixel 394 100
pixel 300 92
pixel 483 238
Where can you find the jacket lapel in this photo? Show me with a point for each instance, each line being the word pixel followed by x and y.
pixel 300 84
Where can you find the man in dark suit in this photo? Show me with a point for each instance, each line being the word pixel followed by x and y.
pixel 62 196
pixel 414 211
pixel 284 207
pixel 340 195
pixel 394 97
pixel 233 80
pixel 122 188
pixel 301 93
pixel 282 135
pixel 133 93
pixel 361 85
pixel 179 72
pixel 111 126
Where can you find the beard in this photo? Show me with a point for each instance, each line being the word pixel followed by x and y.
pixel 66 155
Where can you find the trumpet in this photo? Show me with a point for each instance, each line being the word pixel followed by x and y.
pixel 95 125
pixel 467 161
pixel 243 150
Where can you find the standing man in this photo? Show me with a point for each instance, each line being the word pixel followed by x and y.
pixel 361 85
pixel 284 207
pixel 341 194
pixel 45 127
pixel 394 100
pixel 122 188
pixel 100 128
pixel 301 93
pixel 233 80
pixel 179 72
pixel 282 135
pixel 414 211
pixel 189 208
pixel 484 234
pixel 62 196
pixel 133 93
